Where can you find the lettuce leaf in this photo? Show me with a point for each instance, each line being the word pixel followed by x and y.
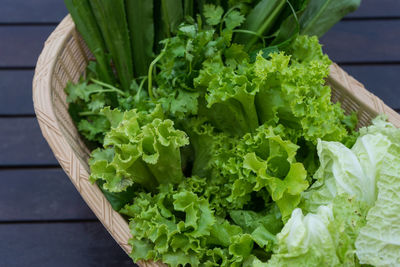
pixel 206 143
pixel 230 95
pixel 293 92
pixel 261 163
pixel 178 227
pixel 274 164
pixel 141 148
pixel 306 240
pixel 287 89
pixel 262 226
pixel 352 171
pixel 323 238
pixel 368 173
pixel 378 242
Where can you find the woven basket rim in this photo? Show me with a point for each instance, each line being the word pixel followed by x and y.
pixel 78 173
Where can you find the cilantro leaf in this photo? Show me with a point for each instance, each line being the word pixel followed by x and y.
pixel 234 19
pixel 213 14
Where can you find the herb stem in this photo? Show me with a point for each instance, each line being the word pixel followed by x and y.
pixel 88 113
pixel 293 11
pixel 104 91
pixel 151 67
pixel 137 96
pixel 110 88
pixel 252 33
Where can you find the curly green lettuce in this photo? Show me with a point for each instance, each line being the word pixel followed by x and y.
pixel 142 148
pixel 293 92
pixel 258 166
pixel 271 160
pixel 178 227
pixel 230 94
pixel 286 88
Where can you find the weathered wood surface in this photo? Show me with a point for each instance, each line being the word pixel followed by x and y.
pixel 15 96
pixel 361 41
pixel 377 9
pixel 20 45
pixel 43 220
pixel 74 244
pixel 32 11
pixel 52 11
pixel 22 143
pixel 40 195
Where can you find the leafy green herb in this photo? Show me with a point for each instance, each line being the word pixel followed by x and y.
pixel 87 99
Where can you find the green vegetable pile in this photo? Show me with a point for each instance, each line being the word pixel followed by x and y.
pixel 213 132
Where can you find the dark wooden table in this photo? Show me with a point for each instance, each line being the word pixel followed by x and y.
pixel 43 220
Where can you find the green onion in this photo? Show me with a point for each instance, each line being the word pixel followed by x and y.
pixel 141 29
pixel 86 24
pixel 111 17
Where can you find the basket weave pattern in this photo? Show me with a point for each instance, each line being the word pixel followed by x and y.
pixel 65 57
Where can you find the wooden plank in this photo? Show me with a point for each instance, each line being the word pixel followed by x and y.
pixel 61 245
pixel 377 8
pixel 38 11
pixel 22 143
pixel 381 80
pixel 20 46
pixel 16 92
pixel 363 41
pixel 52 11
pixel 40 194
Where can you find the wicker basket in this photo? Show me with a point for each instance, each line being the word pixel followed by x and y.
pixel 65 57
